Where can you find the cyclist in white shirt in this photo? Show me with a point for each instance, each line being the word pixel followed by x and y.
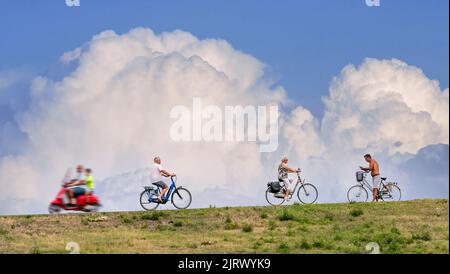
pixel 157 176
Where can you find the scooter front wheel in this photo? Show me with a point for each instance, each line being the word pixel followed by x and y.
pixel 53 209
pixel 92 208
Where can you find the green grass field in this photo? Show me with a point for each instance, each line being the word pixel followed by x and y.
pixel 418 226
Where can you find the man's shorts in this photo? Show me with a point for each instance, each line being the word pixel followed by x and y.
pixel 376 181
pixel 160 184
pixel 77 191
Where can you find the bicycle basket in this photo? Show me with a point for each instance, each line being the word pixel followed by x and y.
pixel 275 187
pixel 359 176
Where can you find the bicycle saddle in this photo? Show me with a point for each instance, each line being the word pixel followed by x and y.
pixel 383 178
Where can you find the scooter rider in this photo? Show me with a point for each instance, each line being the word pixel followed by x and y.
pixel 89 182
pixel 76 186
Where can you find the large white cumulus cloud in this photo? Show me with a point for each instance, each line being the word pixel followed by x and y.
pixel 112 114
pixel 385 105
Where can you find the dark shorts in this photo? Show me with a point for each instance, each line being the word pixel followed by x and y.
pixel 160 184
pixel 77 191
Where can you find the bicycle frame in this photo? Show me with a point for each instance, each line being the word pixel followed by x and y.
pixel 367 186
pixel 299 182
pixel 166 197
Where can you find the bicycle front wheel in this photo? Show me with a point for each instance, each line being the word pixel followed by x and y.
pixel 307 194
pixel 181 198
pixel 391 193
pixel 357 194
pixel 144 200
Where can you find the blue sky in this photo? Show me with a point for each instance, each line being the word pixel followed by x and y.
pixel 304 43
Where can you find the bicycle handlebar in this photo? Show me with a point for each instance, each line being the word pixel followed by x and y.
pixel 172 178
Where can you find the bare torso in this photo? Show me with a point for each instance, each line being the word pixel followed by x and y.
pixel 374 168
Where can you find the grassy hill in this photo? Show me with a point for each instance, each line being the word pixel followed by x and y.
pixel 418 226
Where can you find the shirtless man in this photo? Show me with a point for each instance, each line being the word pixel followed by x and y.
pixel 374 169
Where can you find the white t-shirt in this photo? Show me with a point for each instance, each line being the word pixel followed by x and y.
pixel 155 173
pixel 79 177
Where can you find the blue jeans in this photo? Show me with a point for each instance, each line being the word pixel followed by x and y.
pixel 77 191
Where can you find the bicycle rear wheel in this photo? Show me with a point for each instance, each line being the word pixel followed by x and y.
pixel 144 200
pixel 391 193
pixel 181 198
pixel 357 194
pixel 307 194
pixel 272 199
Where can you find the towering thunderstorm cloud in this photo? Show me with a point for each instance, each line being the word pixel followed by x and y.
pixel 112 113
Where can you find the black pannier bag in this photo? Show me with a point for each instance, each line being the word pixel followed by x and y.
pixel 359 176
pixel 275 187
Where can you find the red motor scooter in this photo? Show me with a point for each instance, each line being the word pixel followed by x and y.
pixel 85 204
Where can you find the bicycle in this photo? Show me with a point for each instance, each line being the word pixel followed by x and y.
pixel 307 193
pixel 389 191
pixel 149 197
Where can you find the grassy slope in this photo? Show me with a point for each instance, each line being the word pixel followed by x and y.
pixel 419 226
